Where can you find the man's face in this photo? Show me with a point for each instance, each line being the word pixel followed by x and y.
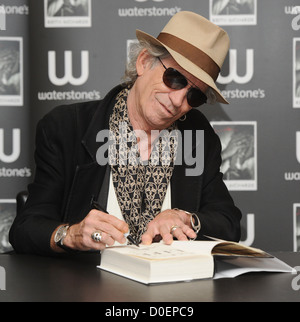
pixel 156 106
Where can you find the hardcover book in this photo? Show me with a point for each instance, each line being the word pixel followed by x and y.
pixel 187 260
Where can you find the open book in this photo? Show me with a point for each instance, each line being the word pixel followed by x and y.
pixel 186 260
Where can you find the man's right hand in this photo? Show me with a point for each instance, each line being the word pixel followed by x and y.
pixel 111 228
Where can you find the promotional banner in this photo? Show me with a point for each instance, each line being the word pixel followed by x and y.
pixel 55 52
pixel 15 141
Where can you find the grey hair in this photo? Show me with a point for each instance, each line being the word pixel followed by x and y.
pixel 131 75
pixel 211 96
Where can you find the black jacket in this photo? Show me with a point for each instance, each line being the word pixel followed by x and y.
pixel 68 175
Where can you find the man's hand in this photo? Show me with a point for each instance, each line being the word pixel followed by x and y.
pixel 112 229
pixel 169 224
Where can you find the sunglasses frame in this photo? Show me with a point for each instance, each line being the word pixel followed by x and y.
pixel 192 91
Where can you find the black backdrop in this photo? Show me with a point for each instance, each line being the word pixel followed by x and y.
pixel 50 55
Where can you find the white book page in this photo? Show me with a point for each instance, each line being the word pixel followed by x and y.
pixel 177 249
pixel 230 268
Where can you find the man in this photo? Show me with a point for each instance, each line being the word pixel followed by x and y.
pixel 88 193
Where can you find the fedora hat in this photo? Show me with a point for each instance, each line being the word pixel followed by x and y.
pixel 197 45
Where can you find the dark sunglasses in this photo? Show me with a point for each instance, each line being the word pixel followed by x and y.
pixel 175 80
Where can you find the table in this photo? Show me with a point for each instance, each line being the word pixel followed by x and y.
pixel 76 278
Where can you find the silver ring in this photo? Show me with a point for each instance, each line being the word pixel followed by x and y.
pixel 173 228
pixel 97 236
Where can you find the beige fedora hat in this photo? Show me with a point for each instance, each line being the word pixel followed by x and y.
pixel 198 46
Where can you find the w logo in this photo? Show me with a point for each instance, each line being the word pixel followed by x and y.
pixel 16 146
pixel 68 76
pixel 298 146
pixel 233 76
pixel 296 23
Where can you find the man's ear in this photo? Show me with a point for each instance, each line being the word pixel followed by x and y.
pixel 142 62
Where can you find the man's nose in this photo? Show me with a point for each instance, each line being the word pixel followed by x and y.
pixel 178 96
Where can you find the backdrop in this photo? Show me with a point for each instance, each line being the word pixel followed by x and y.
pixel 54 52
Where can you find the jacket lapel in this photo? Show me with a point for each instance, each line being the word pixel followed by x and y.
pixel 86 186
pixel 99 122
pixel 89 176
pixel 185 190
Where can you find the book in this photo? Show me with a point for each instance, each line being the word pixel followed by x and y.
pixel 186 260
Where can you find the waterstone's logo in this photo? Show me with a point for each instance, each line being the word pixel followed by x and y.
pixel 296 280
pixel 11 10
pixel 68 77
pixel 14 148
pixel 295 176
pixel 294 10
pixel 235 76
pixel 250 230
pixel 148 12
pixel 2 279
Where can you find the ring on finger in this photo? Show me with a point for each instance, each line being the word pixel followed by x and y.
pixel 97 236
pixel 173 228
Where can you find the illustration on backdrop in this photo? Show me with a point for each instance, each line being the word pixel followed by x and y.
pixel 239 154
pixel 233 12
pixel 11 71
pixel 296 69
pixel 67 13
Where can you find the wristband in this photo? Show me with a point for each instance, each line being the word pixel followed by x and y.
pixel 197 225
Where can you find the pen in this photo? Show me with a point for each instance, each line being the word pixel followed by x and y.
pixel 97 206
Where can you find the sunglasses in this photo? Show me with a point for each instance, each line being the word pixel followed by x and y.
pixel 175 80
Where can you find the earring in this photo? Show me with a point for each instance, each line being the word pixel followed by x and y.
pixel 183 118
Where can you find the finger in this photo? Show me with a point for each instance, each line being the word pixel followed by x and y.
pixel 189 232
pixel 110 233
pixel 151 232
pixel 166 234
pixel 105 239
pixel 98 220
pixel 179 234
pixel 119 224
pixel 155 230
pixel 147 238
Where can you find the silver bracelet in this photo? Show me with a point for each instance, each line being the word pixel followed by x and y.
pixel 197 225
